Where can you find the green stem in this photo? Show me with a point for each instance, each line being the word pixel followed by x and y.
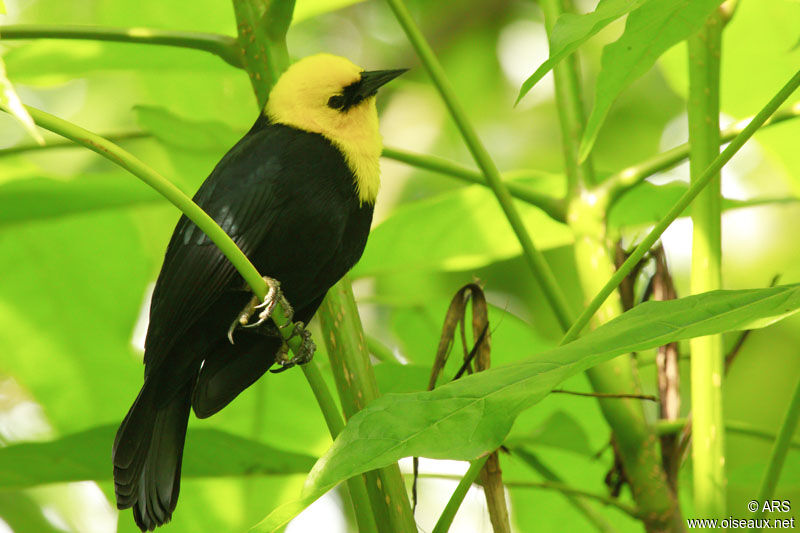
pixel 65 143
pixel 533 256
pixel 219 45
pixel 550 205
pixel 615 379
pixel 569 102
pixel 355 381
pixel 577 500
pixel 707 362
pixel 380 351
pixel 262 27
pixel 450 510
pixel 777 456
pixel 355 485
pixel 720 161
pixel 621 182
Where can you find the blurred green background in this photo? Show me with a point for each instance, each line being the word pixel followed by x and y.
pixel 81 241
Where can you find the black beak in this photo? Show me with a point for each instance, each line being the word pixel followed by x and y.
pixel 373 80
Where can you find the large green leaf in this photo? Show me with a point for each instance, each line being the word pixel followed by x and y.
pixel 457 230
pixel 572 30
pixel 650 31
pixel 470 417
pixel 87 456
pixel 26 200
pixel 174 130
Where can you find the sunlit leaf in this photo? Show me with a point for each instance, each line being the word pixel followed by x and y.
pixel 458 230
pixel 10 102
pixel 471 416
pixel 572 30
pixel 87 456
pixel 650 30
pixel 22 513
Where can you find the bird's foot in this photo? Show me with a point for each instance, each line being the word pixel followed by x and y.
pixel 265 307
pixel 304 354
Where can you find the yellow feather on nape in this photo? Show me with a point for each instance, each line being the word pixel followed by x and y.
pixel 300 100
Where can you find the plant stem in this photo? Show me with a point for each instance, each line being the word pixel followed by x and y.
pixel 614 381
pixel 777 456
pixel 577 500
pixel 549 204
pixel 355 381
pixel 680 205
pixel 536 261
pixel 222 46
pixel 569 102
pixel 621 182
pixel 450 510
pixel 708 451
pixel 65 143
pixel 380 351
pixel 262 27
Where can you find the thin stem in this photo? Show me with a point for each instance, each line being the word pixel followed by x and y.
pixel 708 450
pixel 566 489
pixel 569 102
pixel 355 485
pixel 777 456
pixel 533 461
pixel 550 205
pixel 648 397
pixel 534 257
pixel 66 143
pixel 222 46
pixel 380 351
pixel 621 182
pixel 450 510
pixel 680 205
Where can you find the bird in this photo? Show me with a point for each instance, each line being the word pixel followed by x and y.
pixel 296 194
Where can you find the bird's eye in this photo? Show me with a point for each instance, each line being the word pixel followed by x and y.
pixel 336 101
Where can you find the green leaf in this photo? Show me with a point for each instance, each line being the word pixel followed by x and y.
pixel 87 456
pixel 10 102
pixel 648 203
pixel 650 31
pixel 457 230
pixel 26 200
pixel 470 417
pixel 22 513
pixel 572 30
pixel 559 431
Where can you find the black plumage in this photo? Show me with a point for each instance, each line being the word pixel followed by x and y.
pixel 288 199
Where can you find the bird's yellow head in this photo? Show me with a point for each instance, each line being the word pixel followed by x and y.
pixel 329 95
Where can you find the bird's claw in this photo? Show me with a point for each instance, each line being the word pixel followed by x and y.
pixel 304 354
pixel 266 307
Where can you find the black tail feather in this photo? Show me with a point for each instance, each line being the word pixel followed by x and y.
pixel 147 455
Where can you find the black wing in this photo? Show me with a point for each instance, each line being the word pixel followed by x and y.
pixel 273 179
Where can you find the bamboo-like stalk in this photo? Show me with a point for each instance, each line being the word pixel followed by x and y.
pixel 536 261
pixel 222 46
pixel 635 438
pixel 707 362
pixel 347 349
